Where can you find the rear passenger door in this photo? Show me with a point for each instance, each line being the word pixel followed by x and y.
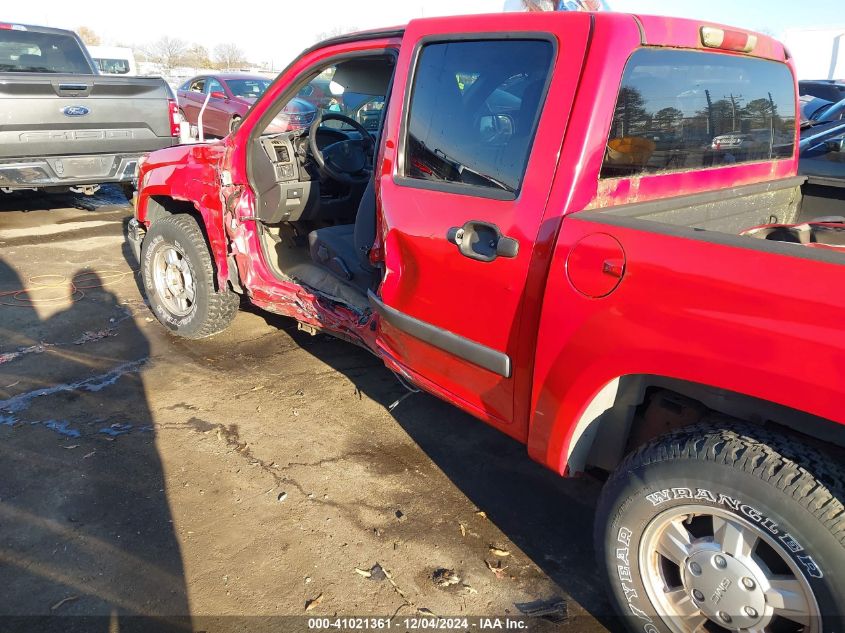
pixel 462 193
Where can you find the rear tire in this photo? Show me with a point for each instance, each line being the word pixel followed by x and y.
pixel 725 528
pixel 179 278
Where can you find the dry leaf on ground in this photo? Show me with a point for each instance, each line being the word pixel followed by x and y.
pixel 310 604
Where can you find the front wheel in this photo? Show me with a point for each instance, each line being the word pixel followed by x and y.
pixel 178 278
pixel 710 530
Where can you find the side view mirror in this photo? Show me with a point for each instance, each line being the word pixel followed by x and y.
pixel 218 95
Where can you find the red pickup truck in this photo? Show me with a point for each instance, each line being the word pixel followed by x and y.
pixel 536 226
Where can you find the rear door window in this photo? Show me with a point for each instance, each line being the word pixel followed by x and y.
pixel 473 111
pixel 679 110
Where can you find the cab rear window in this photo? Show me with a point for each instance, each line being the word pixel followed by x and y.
pixel 679 110
pixel 32 52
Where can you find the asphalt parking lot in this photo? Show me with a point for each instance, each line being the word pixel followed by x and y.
pixel 216 485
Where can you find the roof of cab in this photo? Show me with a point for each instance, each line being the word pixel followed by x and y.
pixel 654 30
pixel 685 33
pixel 33 28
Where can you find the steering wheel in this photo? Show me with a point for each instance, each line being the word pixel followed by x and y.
pixel 345 161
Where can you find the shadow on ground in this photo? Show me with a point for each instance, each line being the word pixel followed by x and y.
pixel 548 517
pixel 107 196
pixel 87 541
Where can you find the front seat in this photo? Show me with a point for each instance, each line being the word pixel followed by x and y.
pixel 344 248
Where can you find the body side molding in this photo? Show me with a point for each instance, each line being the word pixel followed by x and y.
pixel 470 351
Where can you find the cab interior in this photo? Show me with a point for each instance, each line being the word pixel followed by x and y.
pixel 313 179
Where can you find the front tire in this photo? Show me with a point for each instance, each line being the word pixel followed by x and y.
pixel 710 529
pixel 178 278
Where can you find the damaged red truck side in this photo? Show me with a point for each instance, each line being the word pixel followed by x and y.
pixel 549 221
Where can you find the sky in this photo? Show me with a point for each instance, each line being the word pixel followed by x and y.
pixel 275 32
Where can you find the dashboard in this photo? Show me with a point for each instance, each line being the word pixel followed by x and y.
pixel 296 192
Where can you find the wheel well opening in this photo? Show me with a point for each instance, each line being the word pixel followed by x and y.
pixel 650 406
pixel 163 206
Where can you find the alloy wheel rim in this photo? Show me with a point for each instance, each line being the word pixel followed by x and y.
pixel 174 281
pixel 707 570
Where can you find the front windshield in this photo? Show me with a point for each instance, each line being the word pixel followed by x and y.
pixel 323 95
pixel 326 95
pixel 248 88
pixel 833 112
pixel 811 107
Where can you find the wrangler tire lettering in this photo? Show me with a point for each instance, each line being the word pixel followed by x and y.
pixel 769 476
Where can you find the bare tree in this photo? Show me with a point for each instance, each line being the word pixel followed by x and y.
pixel 197 56
pixel 88 36
pixel 167 51
pixel 141 54
pixel 229 56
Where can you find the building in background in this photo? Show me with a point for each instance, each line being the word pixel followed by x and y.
pixel 818 53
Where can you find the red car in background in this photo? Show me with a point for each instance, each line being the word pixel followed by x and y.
pixel 231 95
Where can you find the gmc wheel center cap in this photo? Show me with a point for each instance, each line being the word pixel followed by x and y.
pixel 727 590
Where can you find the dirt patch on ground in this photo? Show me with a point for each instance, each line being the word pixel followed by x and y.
pixel 225 484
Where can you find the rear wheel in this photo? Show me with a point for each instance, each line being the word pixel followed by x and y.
pixel 179 279
pixel 710 530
